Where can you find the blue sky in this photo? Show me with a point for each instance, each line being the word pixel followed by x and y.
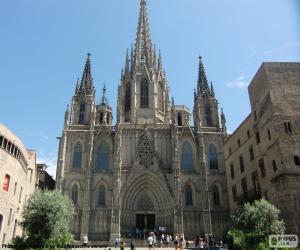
pixel 43 46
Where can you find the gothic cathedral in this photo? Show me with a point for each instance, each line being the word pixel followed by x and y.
pixel 152 169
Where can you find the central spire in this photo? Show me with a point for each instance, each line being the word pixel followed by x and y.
pixel 143 40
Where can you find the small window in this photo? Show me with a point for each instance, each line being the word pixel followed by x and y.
pixel 242 166
pixel 257 137
pixel 287 127
pixel 101 197
pixel 251 153
pixel 216 195
pixel 1 222
pixel 144 94
pixel 213 157
pixel 234 193
pixel 261 165
pixel 274 165
pixel 244 187
pixel 239 142
pixel 232 171
pixel 6 183
pixel 81 113
pixel 179 119
pixel 188 196
pixel 9 216
pixel 1 141
pixel 101 118
pixel 248 134
pixel 20 196
pixel 297 160
pixel 15 189
pixel 269 135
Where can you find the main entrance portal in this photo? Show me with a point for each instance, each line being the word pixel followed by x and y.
pixel 145 222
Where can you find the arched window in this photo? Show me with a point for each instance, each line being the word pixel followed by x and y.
pixel 102 159
pixel 213 157
pixel 186 160
pixel 188 196
pixel 128 97
pixel 77 155
pixel 101 196
pixel 101 118
pixel 179 119
pixel 208 115
pixel 107 118
pixel 1 221
pixel 160 97
pixel 81 113
pixel 6 182
pixel 144 94
pixel 74 195
pixel 216 196
pixel 297 160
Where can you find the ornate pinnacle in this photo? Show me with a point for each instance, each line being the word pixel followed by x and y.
pixel 86 84
pixel 202 84
pixel 104 101
pixel 212 92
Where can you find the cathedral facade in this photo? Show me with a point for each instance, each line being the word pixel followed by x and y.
pixel 152 170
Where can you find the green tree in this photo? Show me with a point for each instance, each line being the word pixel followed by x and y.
pixel 46 221
pixel 252 225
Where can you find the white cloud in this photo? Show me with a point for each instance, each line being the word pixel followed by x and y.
pixel 269 52
pixel 237 83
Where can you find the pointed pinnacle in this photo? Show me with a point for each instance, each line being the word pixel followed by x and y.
pixel 212 92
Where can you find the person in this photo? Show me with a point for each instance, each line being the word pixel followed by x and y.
pixel 85 240
pixel 132 245
pixel 168 240
pixel 176 241
pixel 181 241
pixel 122 245
pixel 117 242
pixel 150 241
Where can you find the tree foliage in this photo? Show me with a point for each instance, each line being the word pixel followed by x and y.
pixel 253 223
pixel 46 220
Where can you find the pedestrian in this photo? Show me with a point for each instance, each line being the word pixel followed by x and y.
pixel 85 240
pixel 168 240
pixel 132 245
pixel 117 242
pixel 122 245
pixel 150 241
pixel 176 241
pixel 181 241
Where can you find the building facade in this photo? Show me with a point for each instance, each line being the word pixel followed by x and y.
pixel 152 169
pixel 17 173
pixel 262 157
pixel 44 180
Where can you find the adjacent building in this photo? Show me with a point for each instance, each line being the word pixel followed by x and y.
pixel 44 180
pixel 17 176
pixel 262 157
pixel 152 169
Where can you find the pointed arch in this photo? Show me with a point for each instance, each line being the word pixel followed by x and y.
pixel 213 157
pixel 186 159
pixel 160 96
pixel 102 157
pixel 216 196
pixel 188 196
pixel 77 155
pixel 101 196
pixel 81 113
pixel 74 194
pixel 128 97
pixel 144 93
pixel 208 115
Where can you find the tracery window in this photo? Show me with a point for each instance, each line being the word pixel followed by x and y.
pixel 102 158
pixel 74 195
pixel 208 115
pixel 77 155
pixel 213 157
pixel 186 160
pixel 81 113
pixel 101 196
pixel 188 196
pixel 144 94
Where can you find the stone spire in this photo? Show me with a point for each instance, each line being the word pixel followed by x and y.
pixel 202 84
pixel 104 101
pixel 143 41
pixel 86 83
pixel 212 91
pixel 223 121
pixel 127 61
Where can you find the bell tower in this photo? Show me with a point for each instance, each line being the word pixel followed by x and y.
pixel 143 95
